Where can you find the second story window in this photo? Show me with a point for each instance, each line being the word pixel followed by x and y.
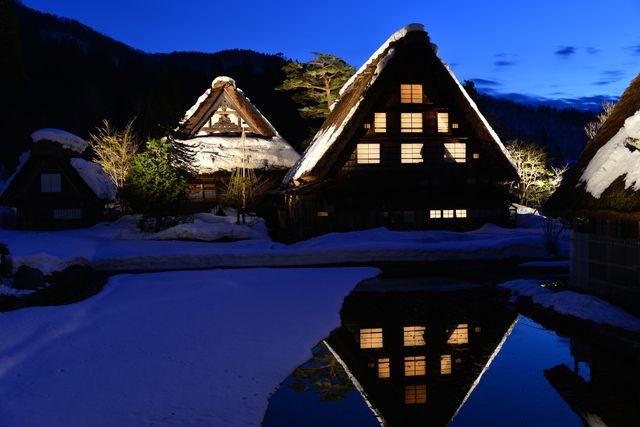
pixel 371 338
pixel 410 153
pixel 455 152
pixel 50 183
pixel 411 94
pixel 380 122
pixel 368 154
pixel 411 122
pixel 443 122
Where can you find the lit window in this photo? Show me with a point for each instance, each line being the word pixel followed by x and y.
pixel 460 335
pixel 410 153
pixel 411 122
pixel 384 368
pixel 67 214
pixel 414 366
pixel 380 122
pixel 411 94
pixel 322 213
pixel 478 329
pixel 367 125
pixel 445 364
pixel 368 153
pixel 476 155
pixel 461 213
pixel 414 335
pixel 194 191
pixel 435 214
pixel 447 213
pixel 50 183
pixel 371 338
pixel 455 152
pixel 209 191
pixel 455 125
pixel 415 394
pixel 443 122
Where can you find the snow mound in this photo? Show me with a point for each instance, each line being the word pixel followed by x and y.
pixel 582 306
pixel 47 263
pixel 614 160
pixel 64 138
pixel 95 177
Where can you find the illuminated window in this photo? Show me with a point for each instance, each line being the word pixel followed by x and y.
pixel 460 335
pixel 414 335
pixel 67 214
pixel 367 125
pixel 461 213
pixel 443 122
pixel 415 394
pixel 414 366
pixel 50 183
pixel 411 122
pixel 384 368
pixel 476 155
pixel 322 213
pixel 455 152
pixel 411 94
pixel 371 338
pixel 478 329
pixel 209 191
pixel 410 153
pixel 445 364
pixel 380 122
pixel 368 153
pixel 455 125
pixel 435 214
pixel 447 213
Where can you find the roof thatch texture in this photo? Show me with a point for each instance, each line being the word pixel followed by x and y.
pixel 603 184
pixel 359 93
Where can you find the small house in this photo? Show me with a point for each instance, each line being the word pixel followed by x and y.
pixel 54 186
pixel 601 196
pixel 404 147
pixel 212 128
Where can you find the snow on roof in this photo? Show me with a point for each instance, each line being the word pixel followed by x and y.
pixel 614 160
pixel 24 157
pixel 95 177
pixel 224 153
pixel 223 79
pixel 191 111
pixel 64 138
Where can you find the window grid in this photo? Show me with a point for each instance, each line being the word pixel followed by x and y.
pixel 50 183
pixel 455 126
pixel 384 368
pixel 414 336
pixel 415 366
pixel 461 213
pixel 445 364
pixel 443 122
pixel 67 214
pixel 380 122
pixel 371 338
pixel 411 153
pixel 435 214
pixel 455 152
pixel 368 153
pixel 411 122
pixel 411 94
pixel 415 394
pixel 460 334
pixel 447 213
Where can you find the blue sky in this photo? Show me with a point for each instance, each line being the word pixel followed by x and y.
pixel 549 49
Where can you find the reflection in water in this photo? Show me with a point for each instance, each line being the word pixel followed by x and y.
pixel 417 355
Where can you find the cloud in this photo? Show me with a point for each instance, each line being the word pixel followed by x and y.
pixel 565 51
pixel 635 49
pixel 486 82
pixel 592 50
pixel 588 103
pixel 608 77
pixel 504 63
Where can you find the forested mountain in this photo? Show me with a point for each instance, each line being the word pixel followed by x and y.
pixel 60 73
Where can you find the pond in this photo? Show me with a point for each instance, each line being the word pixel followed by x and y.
pixel 440 351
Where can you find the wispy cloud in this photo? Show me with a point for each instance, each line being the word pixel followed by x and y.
pixel 565 51
pixel 486 82
pixel 592 50
pixel 608 77
pixel 635 49
pixel 504 63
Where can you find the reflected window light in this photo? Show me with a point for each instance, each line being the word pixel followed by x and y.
pixel 415 394
pixel 371 338
pixel 414 366
pixel 414 336
pixel 460 335
pixel 445 364
pixel 384 368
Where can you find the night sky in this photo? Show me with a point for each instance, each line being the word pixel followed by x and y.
pixel 548 48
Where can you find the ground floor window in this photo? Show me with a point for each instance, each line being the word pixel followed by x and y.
pixel 67 213
pixel 455 152
pixel 201 191
pixel 447 213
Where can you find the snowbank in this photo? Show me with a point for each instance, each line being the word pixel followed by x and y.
pixel 582 306
pixel 95 177
pixel 614 160
pixel 179 348
pixel 64 138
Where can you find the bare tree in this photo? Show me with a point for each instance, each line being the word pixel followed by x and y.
pixel 114 150
pixel 593 127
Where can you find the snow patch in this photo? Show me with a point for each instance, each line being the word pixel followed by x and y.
pixel 7 290
pixel 47 263
pixel 95 177
pixel 614 160
pixel 64 138
pixel 24 157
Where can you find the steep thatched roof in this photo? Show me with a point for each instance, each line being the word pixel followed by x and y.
pixel 358 94
pixel 224 88
pixel 604 183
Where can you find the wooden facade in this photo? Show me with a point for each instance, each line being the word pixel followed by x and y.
pixel 47 193
pixel 405 148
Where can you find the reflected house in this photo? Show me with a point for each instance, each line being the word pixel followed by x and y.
pixel 601 196
pixel 212 129
pixel 405 147
pixel 417 355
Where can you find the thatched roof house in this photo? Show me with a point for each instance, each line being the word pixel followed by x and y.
pixel 404 147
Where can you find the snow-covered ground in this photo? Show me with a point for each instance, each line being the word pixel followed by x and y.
pixel 119 246
pixel 177 348
pixel 586 307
